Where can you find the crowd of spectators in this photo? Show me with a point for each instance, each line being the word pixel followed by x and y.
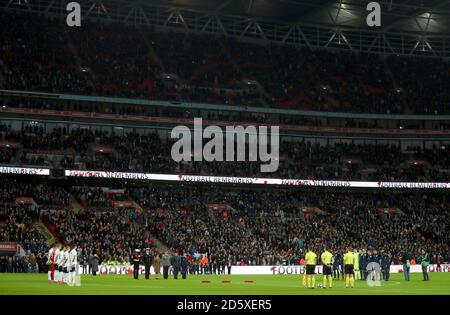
pixel 41 54
pixel 43 194
pixel 6 155
pixel 251 227
pixel 29 263
pixel 96 149
pixel 92 197
pixel 111 234
pixel 17 225
pixel 117 60
pixel 247 227
pixel 277 227
pixel 35 55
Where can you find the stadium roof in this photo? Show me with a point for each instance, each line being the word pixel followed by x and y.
pixel 408 27
pixel 433 15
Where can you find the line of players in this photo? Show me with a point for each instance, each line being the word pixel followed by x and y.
pixel 362 260
pixel 63 262
pixel 179 263
pixel 352 265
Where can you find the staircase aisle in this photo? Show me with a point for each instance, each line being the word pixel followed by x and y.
pixel 49 238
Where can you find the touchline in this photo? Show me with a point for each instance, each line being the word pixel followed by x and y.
pixel 239 141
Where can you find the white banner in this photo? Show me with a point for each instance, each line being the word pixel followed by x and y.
pixel 297 270
pixel 256 180
pixel 261 270
pixel 24 170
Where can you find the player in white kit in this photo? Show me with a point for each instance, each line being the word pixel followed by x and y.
pixel 65 264
pixel 58 267
pixel 73 259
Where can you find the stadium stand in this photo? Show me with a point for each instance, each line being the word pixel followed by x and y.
pixel 248 227
pixel 17 225
pixel 270 226
pixel 80 62
pixel 102 150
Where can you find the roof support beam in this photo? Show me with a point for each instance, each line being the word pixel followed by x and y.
pixel 416 14
pixel 313 34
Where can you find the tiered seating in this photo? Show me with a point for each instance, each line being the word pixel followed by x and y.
pixel 119 60
pixel 132 152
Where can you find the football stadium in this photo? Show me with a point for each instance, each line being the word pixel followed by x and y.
pixel 224 147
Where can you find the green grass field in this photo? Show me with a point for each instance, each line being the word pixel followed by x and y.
pixel 262 285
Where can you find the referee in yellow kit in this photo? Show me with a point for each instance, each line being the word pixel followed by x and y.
pixel 311 261
pixel 327 261
pixel 349 264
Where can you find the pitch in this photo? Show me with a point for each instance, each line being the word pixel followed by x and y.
pixel 261 285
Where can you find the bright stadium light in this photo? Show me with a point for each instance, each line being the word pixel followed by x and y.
pixel 342 5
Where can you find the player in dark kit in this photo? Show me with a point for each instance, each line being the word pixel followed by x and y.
pixel 376 257
pixel 147 260
pixel 337 262
pixel 385 265
pixel 363 262
pixel 223 264
pixel 135 261
pixel 184 264
pixel 175 262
